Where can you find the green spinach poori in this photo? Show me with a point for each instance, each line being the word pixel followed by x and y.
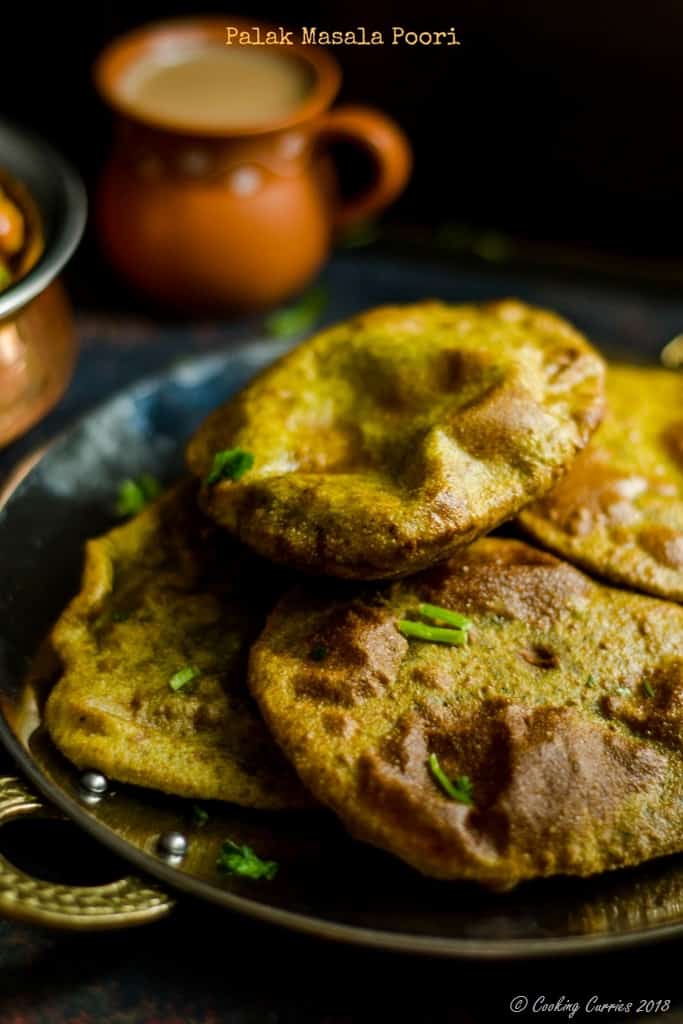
pixel 384 443
pixel 619 510
pixel 154 649
pixel 548 741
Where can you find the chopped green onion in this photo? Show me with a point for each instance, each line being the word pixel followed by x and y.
pixel 118 615
pixel 461 789
pixel 133 495
pixel 440 636
pixel 590 681
pixel 437 614
pixel 183 676
pixel 230 464
pixel 199 815
pixel 649 689
pixel 241 860
pixel 300 316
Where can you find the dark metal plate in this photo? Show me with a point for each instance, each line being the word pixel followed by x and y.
pixel 327 885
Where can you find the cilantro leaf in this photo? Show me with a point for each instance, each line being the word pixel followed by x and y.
pixel 300 316
pixel 241 860
pixel 133 495
pixel 230 464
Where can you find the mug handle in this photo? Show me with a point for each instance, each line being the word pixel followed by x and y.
pixel 388 148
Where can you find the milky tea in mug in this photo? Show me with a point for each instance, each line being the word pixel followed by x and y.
pixel 214 86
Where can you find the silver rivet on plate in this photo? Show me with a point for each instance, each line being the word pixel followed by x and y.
pixel 172 844
pixel 92 786
pixel 95 783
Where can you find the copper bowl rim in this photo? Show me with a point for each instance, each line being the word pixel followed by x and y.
pixel 64 227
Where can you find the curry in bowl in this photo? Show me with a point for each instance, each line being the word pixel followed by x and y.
pixel 21 232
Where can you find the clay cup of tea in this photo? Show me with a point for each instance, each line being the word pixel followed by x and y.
pixel 220 192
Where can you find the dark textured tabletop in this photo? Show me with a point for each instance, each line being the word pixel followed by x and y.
pixel 202 965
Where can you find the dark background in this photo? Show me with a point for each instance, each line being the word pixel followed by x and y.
pixel 554 120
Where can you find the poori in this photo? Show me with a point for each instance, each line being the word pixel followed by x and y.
pixel 619 510
pixel 153 690
pixel 383 444
pixel 498 717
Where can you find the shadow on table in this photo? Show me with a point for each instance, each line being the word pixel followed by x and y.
pixel 203 966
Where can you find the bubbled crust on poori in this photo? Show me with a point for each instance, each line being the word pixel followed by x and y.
pixel 162 592
pixel 619 510
pixel 386 442
pixel 576 767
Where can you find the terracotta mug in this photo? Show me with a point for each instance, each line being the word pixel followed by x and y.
pixel 216 218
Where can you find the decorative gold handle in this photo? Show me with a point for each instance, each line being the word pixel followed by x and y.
pixel 121 904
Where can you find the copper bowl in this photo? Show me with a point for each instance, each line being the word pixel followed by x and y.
pixel 37 339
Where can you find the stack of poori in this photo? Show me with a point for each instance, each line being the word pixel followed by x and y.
pixel 319 616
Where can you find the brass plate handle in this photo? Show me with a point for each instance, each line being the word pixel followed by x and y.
pixel 121 904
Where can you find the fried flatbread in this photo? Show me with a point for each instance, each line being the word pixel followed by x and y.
pixel 384 443
pixel 163 593
pixel 619 510
pixel 565 712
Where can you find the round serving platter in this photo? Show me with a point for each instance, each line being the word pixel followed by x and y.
pixel 328 885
